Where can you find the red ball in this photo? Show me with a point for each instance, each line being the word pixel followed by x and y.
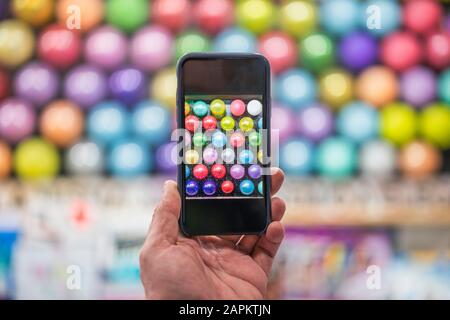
pixel 437 49
pixel 209 123
pixel 200 171
pixel 422 15
pixel 59 46
pixel 280 49
pixel 218 171
pixel 227 186
pixel 401 50
pixel 191 123
pixel 174 14
pixel 212 16
pixel 4 85
pixel 237 139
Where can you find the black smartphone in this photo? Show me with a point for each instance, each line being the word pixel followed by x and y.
pixel 223 113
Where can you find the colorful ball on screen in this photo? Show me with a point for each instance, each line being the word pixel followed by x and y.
pixel 228 155
pixel 192 187
pixel 418 86
pixel 200 108
pixel 434 125
pixel 340 17
pixel 246 124
pixel 174 15
pixel 164 87
pixel 191 157
pixel 187 172
pixel 151 122
pixel 377 86
pixel 419 159
pixel 200 171
pixel 209 187
pixel 246 157
pixel 127 15
pixel 295 88
pixel 212 16
pixel 218 108
pixel 260 188
pixel 247 187
pixel 219 139
pixel 227 187
pixel 237 139
pixel 191 123
pixel 401 50
pixel 36 12
pixel 254 107
pixel 437 49
pixel 14 53
pixel 358 50
pixel 210 155
pixel 218 171
pixel 280 49
pixel 317 51
pixel 377 158
pixel 298 18
pixel 422 16
pixel 257 16
pixel 380 17
pixel 191 41
pixel 237 107
pixel 227 123
pixel 209 123
pixel 17 120
pixel 315 122
pixel 129 158
pixel 84 158
pixel 358 122
pixel 336 88
pixel 398 123
pixel 199 139
pixel 254 171
pixel 254 139
pixel 444 86
pixel 237 171
pixel 336 158
pixel 296 157
pixel 5 160
pixel 235 40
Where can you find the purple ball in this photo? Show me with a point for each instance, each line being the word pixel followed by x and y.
pixel 17 120
pixel 283 121
pixel 4 9
pixel 209 187
pixel 237 171
pixel 128 85
pixel 106 47
pixel 37 83
pixel 418 86
pixel 315 122
pixel 166 158
pixel 85 85
pixel 151 48
pixel 254 171
pixel 358 51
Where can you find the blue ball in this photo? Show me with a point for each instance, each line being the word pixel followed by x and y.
pixel 246 157
pixel 358 122
pixel 235 40
pixel 200 108
pixel 336 158
pixel 260 123
pixel 380 17
pixel 209 187
pixel 151 122
pixel 340 17
pixel 187 171
pixel 260 187
pixel 108 122
pixel 247 187
pixel 191 187
pixel 297 157
pixel 295 88
pixel 219 139
pixel 130 158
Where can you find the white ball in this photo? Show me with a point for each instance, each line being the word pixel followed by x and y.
pixel 377 158
pixel 254 107
pixel 84 158
pixel 228 155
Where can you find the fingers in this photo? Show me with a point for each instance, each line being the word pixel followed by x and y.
pixel 267 247
pixel 276 180
pixel 164 227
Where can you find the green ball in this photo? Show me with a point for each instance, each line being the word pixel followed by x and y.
pixel 398 123
pixel 317 51
pixel 200 108
pixel 434 125
pixel 444 86
pixel 199 139
pixel 336 158
pixel 191 41
pixel 35 159
pixel 127 15
pixel 257 16
pixel 254 139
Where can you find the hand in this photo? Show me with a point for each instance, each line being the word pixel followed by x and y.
pixel 207 267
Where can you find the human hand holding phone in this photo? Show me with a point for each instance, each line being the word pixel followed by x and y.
pixel 207 267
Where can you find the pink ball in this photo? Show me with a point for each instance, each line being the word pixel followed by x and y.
pixel 237 107
pixel 422 15
pixel 280 49
pixel 17 120
pixel 212 16
pixel 437 49
pixel 151 48
pixel 283 120
pixel 401 50
pixel 174 14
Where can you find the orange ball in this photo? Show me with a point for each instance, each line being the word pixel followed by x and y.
pixel 80 14
pixel 419 159
pixel 62 123
pixel 5 160
pixel 377 85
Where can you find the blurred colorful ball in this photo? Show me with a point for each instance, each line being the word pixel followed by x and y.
pixel 401 50
pixel 434 125
pixel 106 47
pixel 377 86
pixel 128 85
pixel 298 18
pixel 247 187
pixel 82 15
pixel 4 9
pixel 283 121
pixel 35 159
pixel 62 123
pixel 17 44
pixel 107 122
pixel 37 83
pixel 129 158
pixel 444 86
pixel 398 123
pixel 151 122
pixel 315 122
pixel 35 12
pixel 419 160
pixel 84 158
pixel 418 86
pixel 174 15
pixel 4 84
pixel 336 87
pixel 164 87
pixel 235 40
pixel 358 50
pixel 257 16
pixel 297 157
pixel 85 85
pixel 336 158
pixel 5 160
pixel 151 48
pixel 212 16
pixel 280 49
pixel 166 158
pixel 17 120
pixel 377 158
pixel 380 17
pixel 59 46
pixel 358 122
pixel 317 51
pixel 422 16
pixel 295 88
pixel 340 17
pixel 191 41
pixel 437 49
pixel 127 15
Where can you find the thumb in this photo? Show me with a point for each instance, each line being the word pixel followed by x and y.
pixel 164 227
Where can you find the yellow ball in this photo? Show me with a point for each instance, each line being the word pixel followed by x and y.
pixel 398 123
pixel 217 108
pixel 35 12
pixel 257 16
pixel 191 156
pixel 434 125
pixel 227 123
pixel 16 43
pixel 187 108
pixel 260 156
pixel 36 158
pixel 336 88
pixel 164 87
pixel 246 124
pixel 298 18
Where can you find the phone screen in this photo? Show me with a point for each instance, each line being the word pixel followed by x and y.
pixel 223 111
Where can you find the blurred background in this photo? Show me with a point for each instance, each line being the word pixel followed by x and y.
pixel 361 99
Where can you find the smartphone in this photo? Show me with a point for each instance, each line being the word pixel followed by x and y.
pixel 223 112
